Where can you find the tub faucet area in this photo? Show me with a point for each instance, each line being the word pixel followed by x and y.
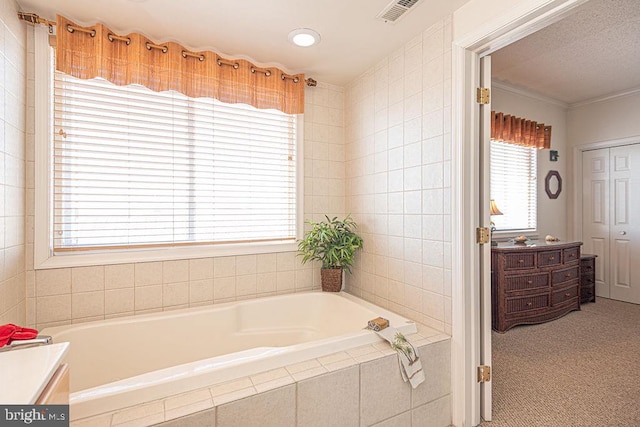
pixel 39 340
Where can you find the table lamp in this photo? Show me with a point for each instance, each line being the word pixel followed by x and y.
pixel 493 210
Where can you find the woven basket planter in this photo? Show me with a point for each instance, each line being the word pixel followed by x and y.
pixel 331 279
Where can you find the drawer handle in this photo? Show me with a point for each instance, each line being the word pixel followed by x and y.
pixel 567 275
pixel 551 258
pixel 529 304
pixel 572 255
pixel 521 261
pixel 529 282
pixel 567 294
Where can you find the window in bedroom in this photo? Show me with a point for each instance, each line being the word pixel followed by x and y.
pixel 514 186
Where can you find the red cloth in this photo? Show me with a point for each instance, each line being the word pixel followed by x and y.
pixel 10 332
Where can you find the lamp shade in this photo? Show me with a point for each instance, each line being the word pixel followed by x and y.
pixel 493 208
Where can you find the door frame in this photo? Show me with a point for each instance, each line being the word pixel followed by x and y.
pixel 515 23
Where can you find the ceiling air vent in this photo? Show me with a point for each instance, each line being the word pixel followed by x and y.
pixel 395 10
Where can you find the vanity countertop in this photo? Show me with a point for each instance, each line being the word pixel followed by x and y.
pixel 25 372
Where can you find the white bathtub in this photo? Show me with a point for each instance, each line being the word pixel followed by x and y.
pixel 131 360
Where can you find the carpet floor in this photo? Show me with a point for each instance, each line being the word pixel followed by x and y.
pixel 581 370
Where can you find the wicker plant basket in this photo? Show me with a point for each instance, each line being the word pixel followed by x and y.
pixel 331 279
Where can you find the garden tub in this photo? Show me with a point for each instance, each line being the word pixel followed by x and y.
pixel 128 361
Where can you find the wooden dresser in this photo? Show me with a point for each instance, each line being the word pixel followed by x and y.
pixel 587 278
pixel 533 283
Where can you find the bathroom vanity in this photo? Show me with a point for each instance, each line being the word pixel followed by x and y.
pixel 533 282
pixel 34 375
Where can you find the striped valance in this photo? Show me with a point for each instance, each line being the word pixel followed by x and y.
pixel 96 51
pixel 519 131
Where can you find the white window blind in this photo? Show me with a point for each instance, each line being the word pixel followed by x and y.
pixel 137 168
pixel 514 186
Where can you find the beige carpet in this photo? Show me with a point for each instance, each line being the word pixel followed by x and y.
pixel 580 370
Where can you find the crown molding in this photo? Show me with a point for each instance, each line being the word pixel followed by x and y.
pixel 609 97
pixel 529 94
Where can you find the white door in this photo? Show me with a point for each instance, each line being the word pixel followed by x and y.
pixel 611 219
pixel 595 214
pixel 485 250
pixel 624 268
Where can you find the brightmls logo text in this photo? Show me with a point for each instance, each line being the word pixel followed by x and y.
pixel 25 416
pixel 38 415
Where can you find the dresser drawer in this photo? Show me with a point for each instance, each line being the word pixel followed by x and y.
pixel 563 295
pixel 520 261
pixel 548 258
pixel 564 275
pixel 521 304
pixel 528 281
pixel 587 267
pixel 570 255
pixel 587 294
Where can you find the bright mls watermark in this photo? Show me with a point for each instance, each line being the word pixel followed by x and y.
pixel 37 415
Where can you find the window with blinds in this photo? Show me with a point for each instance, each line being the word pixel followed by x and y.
pixel 136 168
pixel 514 186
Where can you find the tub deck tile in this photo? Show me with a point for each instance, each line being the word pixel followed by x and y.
pixel 186 399
pixel 309 373
pixel 233 396
pixel 269 376
pixel 303 366
pixel 230 387
pixel 141 412
pixel 103 420
pixel 361 351
pixel 277 383
pixel 341 364
pixel 335 357
pixel 188 409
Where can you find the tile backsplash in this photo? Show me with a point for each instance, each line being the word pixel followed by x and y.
pixel 398 188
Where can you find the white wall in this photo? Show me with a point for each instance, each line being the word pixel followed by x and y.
pixel 552 213
pixel 13 92
pixel 604 121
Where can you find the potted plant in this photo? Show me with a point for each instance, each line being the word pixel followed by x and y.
pixel 334 243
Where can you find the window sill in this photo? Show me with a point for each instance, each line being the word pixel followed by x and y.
pixel 98 257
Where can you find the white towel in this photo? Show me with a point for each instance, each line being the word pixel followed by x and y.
pixel 410 365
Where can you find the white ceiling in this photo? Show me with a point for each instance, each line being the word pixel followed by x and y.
pixel 594 52
pixel 352 38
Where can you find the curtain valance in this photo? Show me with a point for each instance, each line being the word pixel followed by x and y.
pixel 519 131
pixel 96 51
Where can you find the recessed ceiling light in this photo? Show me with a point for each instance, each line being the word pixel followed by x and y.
pixel 304 37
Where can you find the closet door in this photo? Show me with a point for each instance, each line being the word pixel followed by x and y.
pixel 624 234
pixel 595 214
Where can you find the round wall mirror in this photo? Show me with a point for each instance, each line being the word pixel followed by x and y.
pixel 553 184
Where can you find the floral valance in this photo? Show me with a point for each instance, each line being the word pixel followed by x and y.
pixel 519 131
pixel 96 51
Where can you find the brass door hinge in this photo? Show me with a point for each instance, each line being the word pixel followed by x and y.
pixel 484 374
pixel 482 235
pixel 483 95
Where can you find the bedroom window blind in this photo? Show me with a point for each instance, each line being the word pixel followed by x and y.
pixel 137 168
pixel 514 186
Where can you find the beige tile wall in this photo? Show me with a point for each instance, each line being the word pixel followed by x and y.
pixel 69 295
pixel 398 152
pixel 13 92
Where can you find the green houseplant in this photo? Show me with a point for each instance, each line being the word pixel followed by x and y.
pixel 334 243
